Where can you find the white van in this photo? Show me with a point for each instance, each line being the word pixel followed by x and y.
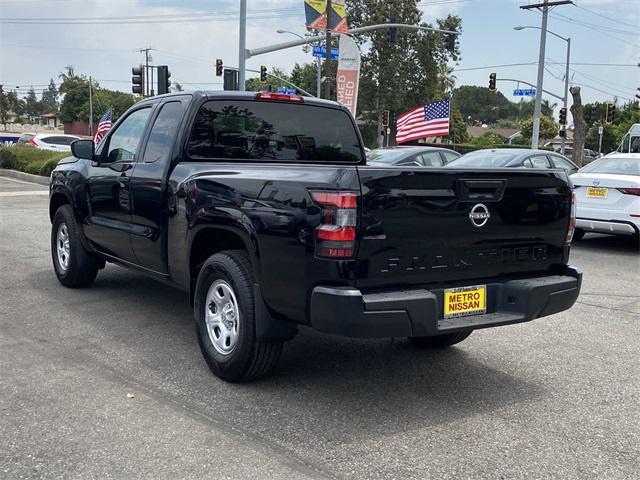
pixel 631 141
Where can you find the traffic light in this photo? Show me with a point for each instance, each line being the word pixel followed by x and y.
pixel 563 116
pixel 385 118
pixel 492 82
pixel 163 79
pixel 610 112
pixel 450 43
pixel 594 113
pixel 137 80
pixel 392 31
pixel 263 73
pixel 218 67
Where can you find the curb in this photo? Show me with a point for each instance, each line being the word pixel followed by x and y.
pixel 27 177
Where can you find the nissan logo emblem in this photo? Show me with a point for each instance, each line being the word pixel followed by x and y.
pixel 479 215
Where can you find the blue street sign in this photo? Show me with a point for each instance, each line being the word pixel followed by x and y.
pixel 288 91
pixel 524 92
pixel 321 51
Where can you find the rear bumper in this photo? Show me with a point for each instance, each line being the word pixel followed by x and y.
pixel 614 227
pixel 418 312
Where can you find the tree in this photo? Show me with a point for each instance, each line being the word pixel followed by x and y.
pixel 398 76
pixel 50 97
pixel 548 128
pixel 4 108
pixel 33 107
pixel 177 87
pixel 479 104
pixel 579 126
pixel 76 93
pixel 458 130
pixel 305 76
pixel 255 84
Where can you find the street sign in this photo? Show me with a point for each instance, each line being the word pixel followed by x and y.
pixel 524 92
pixel 288 91
pixel 321 51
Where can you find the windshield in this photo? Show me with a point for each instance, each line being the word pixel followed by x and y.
pixel 483 159
pixel 386 156
pixel 614 165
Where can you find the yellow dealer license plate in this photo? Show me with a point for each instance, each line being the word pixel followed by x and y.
pixel 597 192
pixel 463 301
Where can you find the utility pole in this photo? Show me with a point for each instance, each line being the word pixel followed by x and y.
pixel 242 46
pixel 327 67
pixel 146 90
pixel 566 91
pixel 90 108
pixel 535 137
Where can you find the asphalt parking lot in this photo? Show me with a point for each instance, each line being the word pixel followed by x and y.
pixel 108 382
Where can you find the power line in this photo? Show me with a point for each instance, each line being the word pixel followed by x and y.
pixel 604 16
pixel 159 18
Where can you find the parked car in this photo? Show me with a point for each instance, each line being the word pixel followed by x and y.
pixel 262 207
pixel 608 196
pixel 416 156
pixel 588 156
pixel 58 142
pixel 25 138
pixel 514 158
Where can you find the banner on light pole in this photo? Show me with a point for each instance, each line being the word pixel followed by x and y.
pixel 348 75
pixel 316 15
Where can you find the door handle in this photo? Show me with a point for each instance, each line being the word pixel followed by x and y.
pixel 480 190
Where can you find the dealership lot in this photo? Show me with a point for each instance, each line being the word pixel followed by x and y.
pixel 108 382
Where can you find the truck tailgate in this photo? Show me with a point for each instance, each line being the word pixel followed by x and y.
pixel 445 226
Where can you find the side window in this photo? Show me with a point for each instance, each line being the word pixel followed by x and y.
pixel 450 156
pixel 163 132
pixel 562 163
pixel 124 141
pixel 540 161
pixel 430 159
pixel 527 163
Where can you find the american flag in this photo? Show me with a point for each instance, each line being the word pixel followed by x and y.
pixel 430 120
pixel 104 125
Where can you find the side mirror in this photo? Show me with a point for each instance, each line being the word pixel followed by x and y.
pixel 83 149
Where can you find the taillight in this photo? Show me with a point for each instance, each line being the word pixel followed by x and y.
pixel 281 97
pixel 32 142
pixel 630 191
pixel 572 219
pixel 336 234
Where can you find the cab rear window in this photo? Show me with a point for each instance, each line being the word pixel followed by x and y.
pixel 272 131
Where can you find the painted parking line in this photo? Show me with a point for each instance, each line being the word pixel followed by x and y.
pixel 25 193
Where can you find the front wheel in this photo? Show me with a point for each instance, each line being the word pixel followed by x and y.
pixel 225 320
pixel 73 265
pixel 440 341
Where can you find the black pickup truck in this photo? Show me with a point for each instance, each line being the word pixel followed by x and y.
pixel 261 206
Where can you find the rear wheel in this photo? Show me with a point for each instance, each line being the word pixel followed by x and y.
pixel 73 265
pixel 440 341
pixel 225 320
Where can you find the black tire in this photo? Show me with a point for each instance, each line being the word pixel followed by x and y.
pixel 81 267
pixel 440 341
pixel 248 359
pixel 578 235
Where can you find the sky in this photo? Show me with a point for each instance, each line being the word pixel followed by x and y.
pixel 605 48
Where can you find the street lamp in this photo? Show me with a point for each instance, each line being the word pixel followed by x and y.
pixel 566 75
pixel 318 63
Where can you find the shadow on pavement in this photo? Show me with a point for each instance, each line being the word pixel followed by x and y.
pixel 609 243
pixel 324 385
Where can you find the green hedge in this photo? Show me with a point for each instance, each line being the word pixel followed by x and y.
pixel 25 158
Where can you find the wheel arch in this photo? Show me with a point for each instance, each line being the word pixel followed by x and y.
pixel 207 240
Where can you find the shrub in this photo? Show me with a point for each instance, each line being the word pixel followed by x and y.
pixel 29 159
